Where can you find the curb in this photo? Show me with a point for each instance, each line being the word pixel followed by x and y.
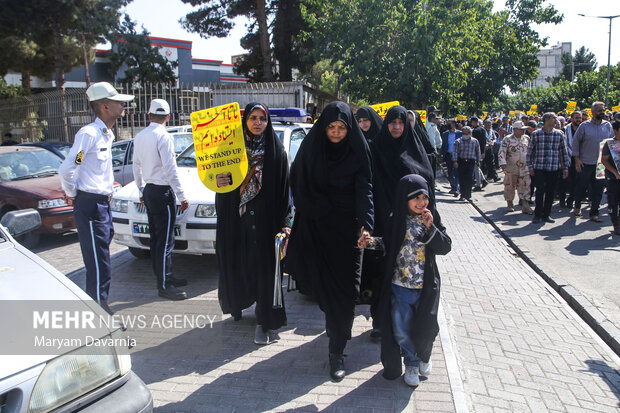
pixel 605 329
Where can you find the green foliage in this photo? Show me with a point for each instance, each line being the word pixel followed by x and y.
pixel 586 89
pixel 8 92
pixel 49 32
pixel 583 61
pixel 454 53
pixel 142 62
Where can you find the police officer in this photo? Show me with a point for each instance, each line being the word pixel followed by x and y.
pixel 155 173
pixel 87 179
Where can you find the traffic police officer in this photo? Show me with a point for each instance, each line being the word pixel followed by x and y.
pixel 155 173
pixel 87 179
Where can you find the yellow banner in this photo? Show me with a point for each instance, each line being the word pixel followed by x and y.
pixel 616 108
pixel 382 108
pixel 461 117
pixel 531 112
pixel 513 114
pixel 220 147
pixel 422 116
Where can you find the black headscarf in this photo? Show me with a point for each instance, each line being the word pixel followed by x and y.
pixel 393 159
pixel 375 121
pixel 310 170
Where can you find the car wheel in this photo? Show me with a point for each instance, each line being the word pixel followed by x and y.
pixel 139 253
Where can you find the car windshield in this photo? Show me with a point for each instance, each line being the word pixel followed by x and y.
pixel 182 141
pixel 64 150
pixel 187 157
pixel 18 165
pixel 280 135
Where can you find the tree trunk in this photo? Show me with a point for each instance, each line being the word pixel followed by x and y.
pixel 60 83
pixel 26 81
pixel 263 35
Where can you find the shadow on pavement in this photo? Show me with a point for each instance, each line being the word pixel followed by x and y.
pixel 49 241
pixel 610 376
pixel 605 242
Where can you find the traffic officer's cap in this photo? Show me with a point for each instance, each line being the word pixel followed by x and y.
pixel 104 90
pixel 159 107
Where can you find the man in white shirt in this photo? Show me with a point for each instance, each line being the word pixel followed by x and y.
pixel 87 179
pixel 155 173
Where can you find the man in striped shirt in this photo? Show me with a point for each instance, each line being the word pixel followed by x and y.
pixel 546 157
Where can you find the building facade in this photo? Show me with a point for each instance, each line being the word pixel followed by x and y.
pixel 550 63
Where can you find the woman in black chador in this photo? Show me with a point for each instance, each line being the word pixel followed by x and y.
pixel 248 219
pixel 369 122
pixel 332 190
pixel 396 152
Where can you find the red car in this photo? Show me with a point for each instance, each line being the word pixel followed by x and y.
pixel 29 179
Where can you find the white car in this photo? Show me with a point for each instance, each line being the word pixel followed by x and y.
pixel 73 375
pixel 194 227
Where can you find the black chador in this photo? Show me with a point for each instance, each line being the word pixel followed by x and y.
pixel 375 122
pixel 248 219
pixel 332 192
pixel 425 325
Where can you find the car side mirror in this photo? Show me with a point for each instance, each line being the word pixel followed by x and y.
pixel 21 221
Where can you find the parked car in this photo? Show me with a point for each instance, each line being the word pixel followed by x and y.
pixel 59 148
pixel 71 379
pixel 29 179
pixel 122 155
pixel 195 227
pixel 179 129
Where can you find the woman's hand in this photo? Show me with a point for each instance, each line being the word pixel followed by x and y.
pixel 427 218
pixel 364 239
pixel 287 231
pixel 223 179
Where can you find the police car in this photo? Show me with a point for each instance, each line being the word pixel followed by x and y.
pixel 195 227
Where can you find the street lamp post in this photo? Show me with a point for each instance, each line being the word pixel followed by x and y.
pixel 608 51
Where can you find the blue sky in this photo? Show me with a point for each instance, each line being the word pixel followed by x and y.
pixel 161 17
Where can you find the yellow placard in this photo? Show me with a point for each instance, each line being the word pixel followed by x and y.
pixel 589 112
pixel 534 108
pixel 513 114
pixel 422 116
pixel 485 115
pixel 570 106
pixel 616 108
pixel 461 117
pixel 531 112
pixel 220 146
pixel 382 108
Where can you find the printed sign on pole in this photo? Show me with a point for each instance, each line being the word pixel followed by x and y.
pixel 220 146
pixel 382 108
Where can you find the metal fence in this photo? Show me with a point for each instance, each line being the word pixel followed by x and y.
pixel 57 115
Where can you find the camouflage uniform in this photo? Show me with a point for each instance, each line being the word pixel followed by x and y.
pixel 516 175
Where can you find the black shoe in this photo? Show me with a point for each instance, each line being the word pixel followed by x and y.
pixel 484 184
pixel 549 220
pixel 562 204
pixel 336 366
pixel 455 194
pixel 172 293
pixel 178 282
pixel 496 179
pixel 536 220
pixel 477 189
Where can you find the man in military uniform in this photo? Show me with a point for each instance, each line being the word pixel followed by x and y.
pixel 155 173
pixel 87 179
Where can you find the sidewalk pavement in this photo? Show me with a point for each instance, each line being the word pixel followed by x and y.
pixel 508 342
pixel 577 257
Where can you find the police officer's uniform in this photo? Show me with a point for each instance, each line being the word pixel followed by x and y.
pixel 86 175
pixel 155 174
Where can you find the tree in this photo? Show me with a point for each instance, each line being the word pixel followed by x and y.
pixel 583 61
pixel 57 27
pixel 215 18
pixel 455 53
pixel 142 62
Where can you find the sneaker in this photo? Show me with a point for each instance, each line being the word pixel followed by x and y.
pixel 262 337
pixel 412 376
pixel 425 368
pixel 509 206
pixel 595 218
pixel 172 293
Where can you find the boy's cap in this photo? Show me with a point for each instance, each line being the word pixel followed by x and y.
pixel 159 107
pixel 104 90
